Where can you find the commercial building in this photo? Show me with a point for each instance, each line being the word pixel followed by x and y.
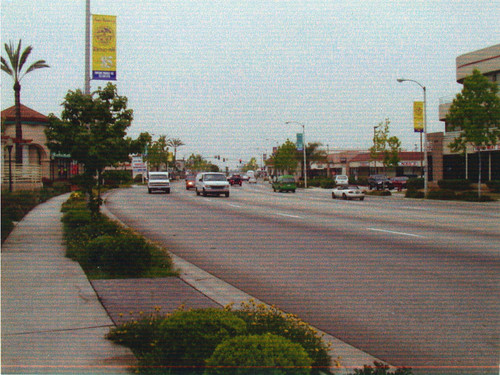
pixel 445 164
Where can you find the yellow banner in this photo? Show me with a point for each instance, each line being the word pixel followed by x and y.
pixel 418 117
pixel 103 47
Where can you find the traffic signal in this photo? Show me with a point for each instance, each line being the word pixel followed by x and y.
pixel 240 161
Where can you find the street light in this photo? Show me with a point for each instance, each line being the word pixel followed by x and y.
pixel 374 145
pixel 303 147
pixel 426 173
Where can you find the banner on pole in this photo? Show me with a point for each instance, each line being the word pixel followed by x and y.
pixel 418 117
pixel 300 142
pixel 103 47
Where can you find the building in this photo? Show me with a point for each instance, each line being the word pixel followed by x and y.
pixel 36 155
pixel 445 164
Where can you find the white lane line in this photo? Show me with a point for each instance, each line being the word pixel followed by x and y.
pixel 287 215
pixel 233 205
pixel 415 208
pixel 393 232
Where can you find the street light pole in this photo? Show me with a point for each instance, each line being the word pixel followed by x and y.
pixel 303 147
pixel 426 170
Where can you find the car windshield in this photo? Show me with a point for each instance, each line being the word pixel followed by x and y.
pixel 215 177
pixel 158 177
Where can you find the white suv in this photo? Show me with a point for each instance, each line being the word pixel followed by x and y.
pixel 211 183
pixel 158 181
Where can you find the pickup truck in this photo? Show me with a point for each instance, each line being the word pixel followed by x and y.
pixel 158 181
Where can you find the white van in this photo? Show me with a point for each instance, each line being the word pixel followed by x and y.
pixel 211 183
pixel 158 181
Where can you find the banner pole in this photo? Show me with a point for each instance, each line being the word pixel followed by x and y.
pixel 87 47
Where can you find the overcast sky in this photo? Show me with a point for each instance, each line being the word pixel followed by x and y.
pixel 225 76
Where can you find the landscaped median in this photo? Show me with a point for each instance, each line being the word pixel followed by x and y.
pixel 245 339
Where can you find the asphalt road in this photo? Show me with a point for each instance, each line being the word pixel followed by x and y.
pixel 415 283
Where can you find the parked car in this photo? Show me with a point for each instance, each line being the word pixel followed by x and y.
pixel 399 182
pixel 158 181
pixel 211 183
pixel 284 183
pixel 190 182
pixel 235 179
pixel 348 192
pixel 252 180
pixel 341 179
pixel 379 182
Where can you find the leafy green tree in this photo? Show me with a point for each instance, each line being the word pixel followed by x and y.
pixel 475 112
pixel 285 159
pixel 15 70
pixel 252 165
pixel 158 154
pixel 92 130
pixel 196 163
pixel 385 147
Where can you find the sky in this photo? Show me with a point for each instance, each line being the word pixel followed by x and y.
pixel 225 76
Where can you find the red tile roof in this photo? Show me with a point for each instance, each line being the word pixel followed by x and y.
pixel 403 155
pixel 27 114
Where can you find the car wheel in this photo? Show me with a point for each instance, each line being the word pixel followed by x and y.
pixel 167 191
pixel 344 196
pixel 227 194
pixel 333 196
pixel 362 198
pixel 197 192
pixel 293 191
pixel 149 191
pixel 204 193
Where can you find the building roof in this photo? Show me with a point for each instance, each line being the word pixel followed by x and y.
pixel 27 114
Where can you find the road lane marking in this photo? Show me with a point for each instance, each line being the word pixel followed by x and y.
pixel 287 215
pixel 233 205
pixel 394 232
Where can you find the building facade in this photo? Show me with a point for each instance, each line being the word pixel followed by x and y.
pixel 446 164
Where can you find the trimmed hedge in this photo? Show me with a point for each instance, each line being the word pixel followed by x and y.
pixel 494 186
pixel 455 185
pixel 443 194
pixel 415 183
pixel 267 353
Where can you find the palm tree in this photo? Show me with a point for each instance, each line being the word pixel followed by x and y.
pixel 313 155
pixel 175 142
pixel 17 61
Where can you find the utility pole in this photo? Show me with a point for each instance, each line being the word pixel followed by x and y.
pixel 87 48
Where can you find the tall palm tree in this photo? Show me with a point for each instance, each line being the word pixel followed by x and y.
pixel 15 70
pixel 175 142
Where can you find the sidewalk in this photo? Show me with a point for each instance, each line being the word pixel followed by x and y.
pixel 53 322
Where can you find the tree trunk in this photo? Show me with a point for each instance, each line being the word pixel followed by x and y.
pixel 19 129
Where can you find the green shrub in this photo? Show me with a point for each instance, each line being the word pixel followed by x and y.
pixel 7 226
pixel 379 193
pixel 267 354
pixel 188 338
pixel 76 218
pixel 442 194
pixel 415 183
pixel 381 369
pixel 261 319
pixel 472 196
pixel 116 178
pixel 327 183
pixel 138 178
pixel 122 255
pixel 412 193
pixel 494 186
pixel 455 185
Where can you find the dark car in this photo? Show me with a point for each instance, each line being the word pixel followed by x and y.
pixel 379 182
pixel 235 179
pixel 399 183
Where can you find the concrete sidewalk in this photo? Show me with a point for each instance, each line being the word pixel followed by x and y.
pixel 52 320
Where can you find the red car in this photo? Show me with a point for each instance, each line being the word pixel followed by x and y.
pixel 399 182
pixel 235 179
pixel 190 182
